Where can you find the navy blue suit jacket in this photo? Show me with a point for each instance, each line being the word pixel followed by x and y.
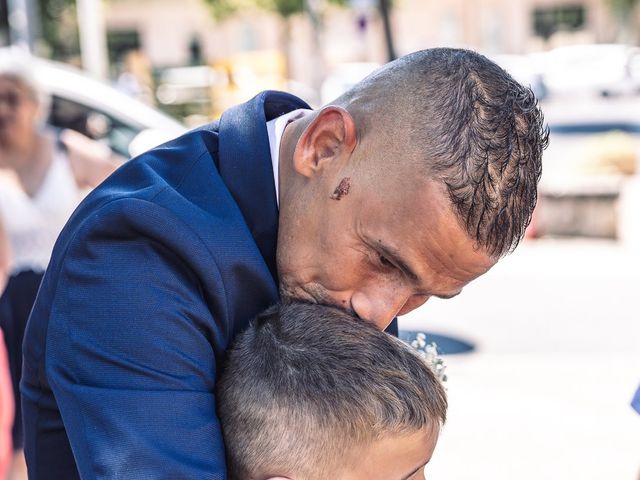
pixel 153 275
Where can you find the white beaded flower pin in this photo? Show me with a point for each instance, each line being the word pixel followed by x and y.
pixel 429 351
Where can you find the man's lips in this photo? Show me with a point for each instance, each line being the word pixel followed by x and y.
pixel 314 293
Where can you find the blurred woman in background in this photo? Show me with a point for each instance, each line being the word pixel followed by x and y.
pixel 43 176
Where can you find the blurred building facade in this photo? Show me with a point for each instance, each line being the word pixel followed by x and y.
pixel 183 32
pixel 504 26
pixel 169 29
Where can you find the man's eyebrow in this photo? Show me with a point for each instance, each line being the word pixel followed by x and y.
pixel 396 258
pixel 407 477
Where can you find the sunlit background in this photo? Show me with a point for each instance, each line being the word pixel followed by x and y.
pixel 543 352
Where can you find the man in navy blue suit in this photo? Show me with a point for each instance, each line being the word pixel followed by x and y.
pixel 408 186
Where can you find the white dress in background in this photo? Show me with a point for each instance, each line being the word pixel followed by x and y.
pixel 32 225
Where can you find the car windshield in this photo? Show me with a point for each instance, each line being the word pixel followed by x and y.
pixel 93 123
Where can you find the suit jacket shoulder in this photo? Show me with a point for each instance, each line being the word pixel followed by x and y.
pixel 153 275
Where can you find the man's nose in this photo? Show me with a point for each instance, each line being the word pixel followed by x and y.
pixel 380 307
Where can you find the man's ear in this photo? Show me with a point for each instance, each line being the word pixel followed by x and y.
pixel 331 136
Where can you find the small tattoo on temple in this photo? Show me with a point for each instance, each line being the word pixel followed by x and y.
pixel 342 189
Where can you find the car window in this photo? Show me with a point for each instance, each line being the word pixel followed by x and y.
pixel 93 123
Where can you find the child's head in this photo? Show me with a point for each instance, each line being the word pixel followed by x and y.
pixel 310 392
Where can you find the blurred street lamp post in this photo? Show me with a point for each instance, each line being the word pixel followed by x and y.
pixel 388 35
pixel 93 38
pixel 314 10
pixel 20 16
pixel 363 7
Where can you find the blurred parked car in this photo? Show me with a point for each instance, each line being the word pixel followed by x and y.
pixel 605 69
pixel 187 92
pixel 526 69
pixel 99 111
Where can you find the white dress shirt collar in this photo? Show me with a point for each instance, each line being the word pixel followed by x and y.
pixel 275 129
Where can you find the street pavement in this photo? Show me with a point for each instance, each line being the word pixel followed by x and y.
pixel 545 394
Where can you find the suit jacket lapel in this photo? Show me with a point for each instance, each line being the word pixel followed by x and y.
pixel 245 165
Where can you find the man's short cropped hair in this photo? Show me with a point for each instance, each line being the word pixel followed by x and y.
pixel 471 127
pixel 306 387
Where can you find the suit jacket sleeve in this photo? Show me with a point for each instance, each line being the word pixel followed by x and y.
pixel 6 411
pixel 133 344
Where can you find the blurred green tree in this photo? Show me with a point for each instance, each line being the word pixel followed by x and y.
pixel 625 12
pixel 285 8
pixel 623 6
pixel 58 29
